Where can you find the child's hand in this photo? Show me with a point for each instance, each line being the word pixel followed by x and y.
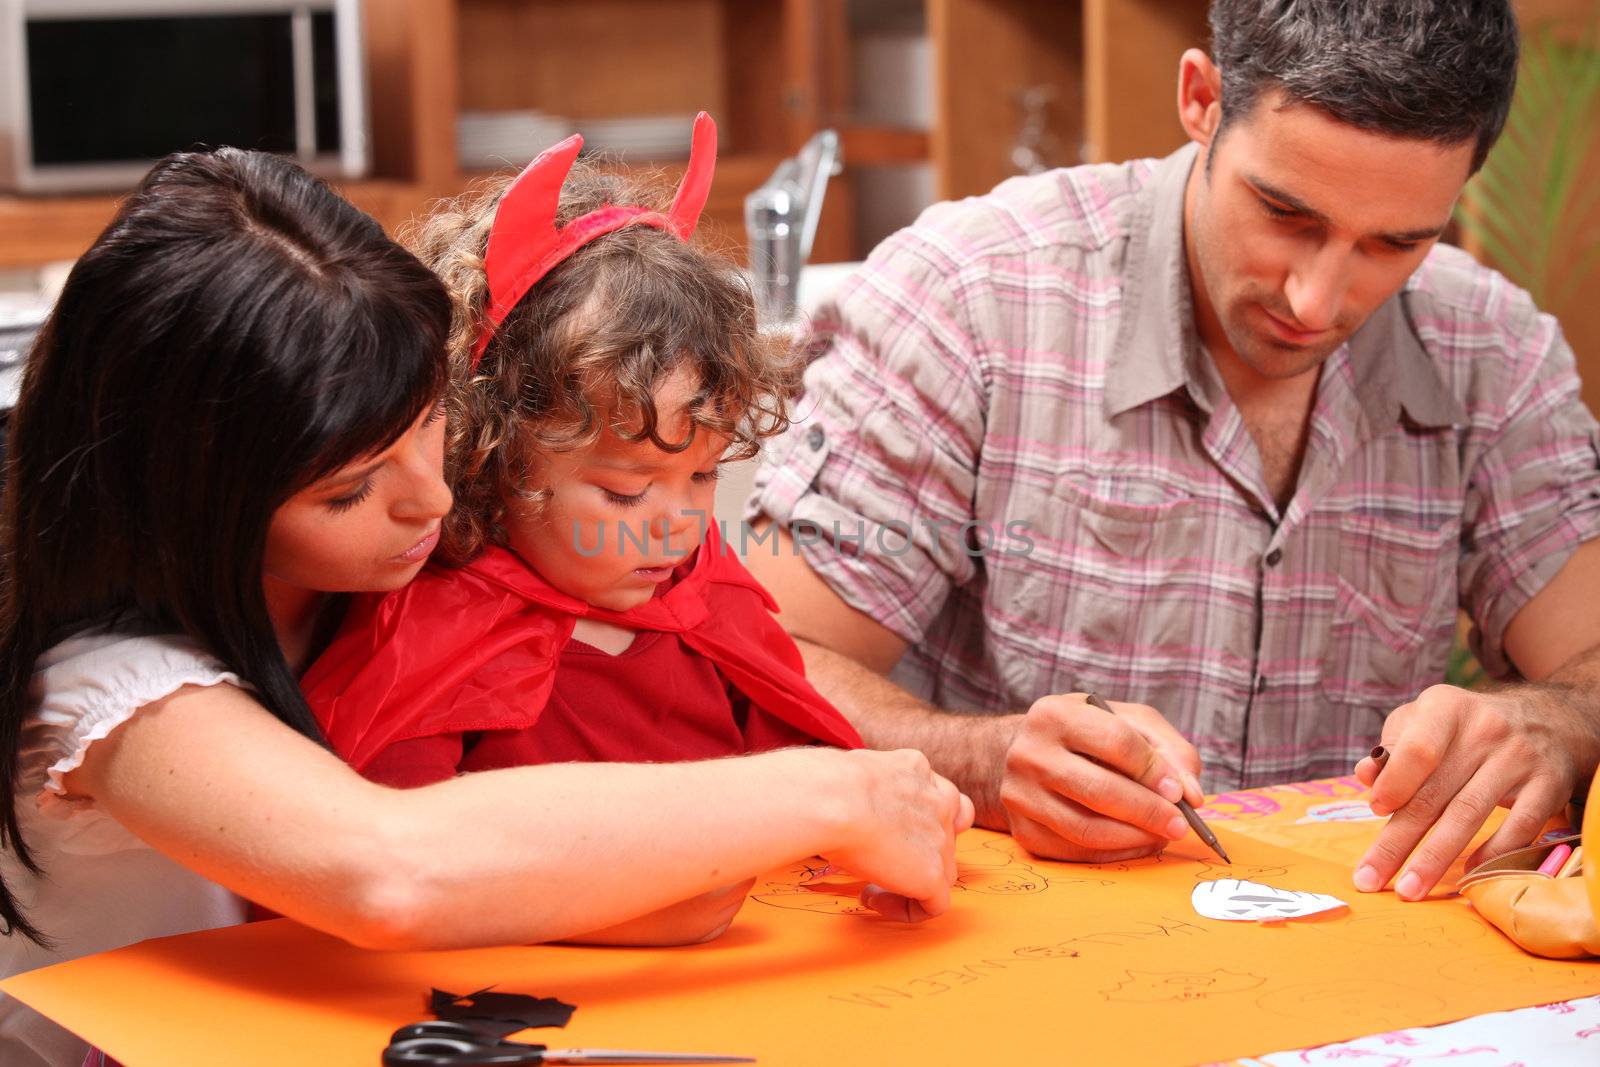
pixel 902 838
pixel 688 922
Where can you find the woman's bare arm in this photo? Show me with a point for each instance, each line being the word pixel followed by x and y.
pixel 520 855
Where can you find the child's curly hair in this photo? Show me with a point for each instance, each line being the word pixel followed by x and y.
pixel 595 337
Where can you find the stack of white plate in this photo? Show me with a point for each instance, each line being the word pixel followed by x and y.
pixel 639 137
pixel 21 315
pixel 506 138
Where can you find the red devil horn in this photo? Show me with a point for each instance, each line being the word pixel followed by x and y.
pixel 696 185
pixel 524 230
pixel 524 243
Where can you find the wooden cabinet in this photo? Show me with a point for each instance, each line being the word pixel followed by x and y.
pixel 986 55
pixel 767 69
pixel 1131 53
pixel 772 71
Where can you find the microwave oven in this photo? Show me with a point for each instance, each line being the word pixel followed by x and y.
pixel 94 91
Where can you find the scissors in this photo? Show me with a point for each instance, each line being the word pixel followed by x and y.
pixel 458 1044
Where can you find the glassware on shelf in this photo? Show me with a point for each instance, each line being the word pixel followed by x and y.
pixel 1036 148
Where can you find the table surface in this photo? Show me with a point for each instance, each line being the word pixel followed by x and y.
pixel 1331 818
pixel 1036 962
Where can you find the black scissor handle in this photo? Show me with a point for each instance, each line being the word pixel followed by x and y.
pixel 454 1044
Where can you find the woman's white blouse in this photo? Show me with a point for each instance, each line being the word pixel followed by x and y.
pixel 102 887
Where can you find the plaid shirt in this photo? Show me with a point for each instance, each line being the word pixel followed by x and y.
pixel 1014 453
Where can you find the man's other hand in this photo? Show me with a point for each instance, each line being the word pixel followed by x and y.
pixel 1454 756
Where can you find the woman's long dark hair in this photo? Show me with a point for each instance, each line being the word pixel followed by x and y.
pixel 236 333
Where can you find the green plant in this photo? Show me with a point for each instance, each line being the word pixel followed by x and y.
pixel 1463 668
pixel 1532 208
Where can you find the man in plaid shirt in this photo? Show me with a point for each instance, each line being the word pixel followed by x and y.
pixel 1228 436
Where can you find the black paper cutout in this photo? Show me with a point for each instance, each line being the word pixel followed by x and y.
pixel 500 1013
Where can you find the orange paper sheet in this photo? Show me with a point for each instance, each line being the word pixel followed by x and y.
pixel 1037 962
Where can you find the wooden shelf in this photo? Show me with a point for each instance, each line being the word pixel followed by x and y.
pixel 738 168
pixel 40 229
pixel 37 230
pixel 880 146
pixel 723 219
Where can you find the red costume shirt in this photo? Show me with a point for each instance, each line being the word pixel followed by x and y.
pixel 474 668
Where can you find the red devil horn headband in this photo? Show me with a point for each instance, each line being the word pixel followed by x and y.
pixel 525 244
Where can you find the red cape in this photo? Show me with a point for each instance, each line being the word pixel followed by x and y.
pixel 476 648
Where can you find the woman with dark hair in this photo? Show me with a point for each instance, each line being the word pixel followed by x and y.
pixel 230 416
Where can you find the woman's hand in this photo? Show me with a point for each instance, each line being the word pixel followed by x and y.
pixel 902 836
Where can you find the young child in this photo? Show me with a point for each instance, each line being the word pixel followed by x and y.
pixel 605 367
pixel 611 365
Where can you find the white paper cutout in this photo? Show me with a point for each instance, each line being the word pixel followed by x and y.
pixel 1240 901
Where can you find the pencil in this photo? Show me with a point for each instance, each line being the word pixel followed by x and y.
pixel 1552 863
pixel 1190 816
pixel 1574 864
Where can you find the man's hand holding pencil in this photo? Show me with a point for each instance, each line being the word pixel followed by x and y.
pixel 1089 787
pixel 1448 759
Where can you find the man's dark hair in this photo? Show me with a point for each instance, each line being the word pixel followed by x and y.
pixel 1436 70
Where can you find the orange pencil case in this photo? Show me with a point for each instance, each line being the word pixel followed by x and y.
pixel 1546 916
